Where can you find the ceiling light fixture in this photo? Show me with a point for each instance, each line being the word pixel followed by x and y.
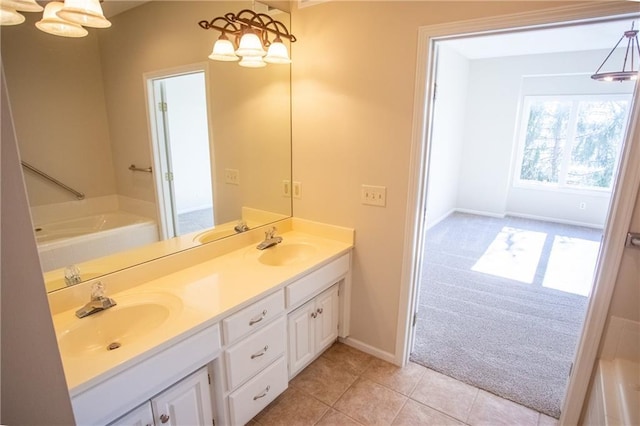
pixel 251 32
pixel 9 10
pixel 51 23
pixel 624 74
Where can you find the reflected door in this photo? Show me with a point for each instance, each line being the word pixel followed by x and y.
pixel 182 150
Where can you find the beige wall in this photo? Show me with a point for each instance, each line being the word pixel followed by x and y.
pixel 57 98
pixel 34 390
pixel 353 88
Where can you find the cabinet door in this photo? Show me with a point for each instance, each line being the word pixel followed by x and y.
pixel 188 402
pixel 301 336
pixel 141 416
pixel 327 311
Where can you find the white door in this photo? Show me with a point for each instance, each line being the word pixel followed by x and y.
pixel 327 309
pixel 141 416
pixel 188 402
pixel 301 336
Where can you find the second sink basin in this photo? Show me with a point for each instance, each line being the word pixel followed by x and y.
pixel 286 254
pixel 127 322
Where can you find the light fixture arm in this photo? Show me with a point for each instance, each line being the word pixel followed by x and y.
pixel 623 75
pixel 236 24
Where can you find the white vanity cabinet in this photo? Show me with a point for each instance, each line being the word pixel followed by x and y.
pixel 312 328
pixel 188 402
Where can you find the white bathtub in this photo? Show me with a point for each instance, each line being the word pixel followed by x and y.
pixel 77 240
pixel 615 398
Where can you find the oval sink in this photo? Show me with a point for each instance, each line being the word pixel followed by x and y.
pixel 121 325
pixel 213 235
pixel 286 254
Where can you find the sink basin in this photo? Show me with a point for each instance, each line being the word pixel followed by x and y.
pixel 286 254
pixel 213 235
pixel 127 322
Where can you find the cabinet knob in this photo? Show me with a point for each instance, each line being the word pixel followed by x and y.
pixel 320 310
pixel 313 315
pixel 164 418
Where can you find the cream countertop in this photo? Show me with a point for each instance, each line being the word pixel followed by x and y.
pixel 209 291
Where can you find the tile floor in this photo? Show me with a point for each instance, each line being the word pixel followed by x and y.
pixel 345 386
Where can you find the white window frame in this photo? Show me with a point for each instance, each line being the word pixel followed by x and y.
pixel 522 124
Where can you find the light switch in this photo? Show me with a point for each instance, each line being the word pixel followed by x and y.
pixel 373 195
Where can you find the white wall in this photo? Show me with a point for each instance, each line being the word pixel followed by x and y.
pixel 495 89
pixel 452 77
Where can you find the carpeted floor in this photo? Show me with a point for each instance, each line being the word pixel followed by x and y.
pixel 491 313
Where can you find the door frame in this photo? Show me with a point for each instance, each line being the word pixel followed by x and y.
pixel 623 198
pixel 154 141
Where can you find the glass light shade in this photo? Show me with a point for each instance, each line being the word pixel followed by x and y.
pixel 277 54
pixel 223 50
pixel 250 45
pixel 10 16
pixel 84 12
pixel 23 5
pixel 252 62
pixel 53 24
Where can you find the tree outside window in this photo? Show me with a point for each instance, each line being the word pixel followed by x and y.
pixel 572 142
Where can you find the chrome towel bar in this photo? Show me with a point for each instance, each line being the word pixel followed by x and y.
pixel 79 195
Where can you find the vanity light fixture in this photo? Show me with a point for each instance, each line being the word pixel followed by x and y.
pixel 9 10
pixel 624 75
pixel 251 32
pixel 51 23
pixel 87 13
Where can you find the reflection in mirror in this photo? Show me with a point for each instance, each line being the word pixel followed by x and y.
pixel 209 142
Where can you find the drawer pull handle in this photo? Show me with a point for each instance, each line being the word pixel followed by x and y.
pixel 263 394
pixel 260 318
pixel 320 310
pixel 262 352
pixel 164 418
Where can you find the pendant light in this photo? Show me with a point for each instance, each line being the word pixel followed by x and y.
pixel 277 53
pixel 9 16
pixel 624 74
pixel 23 5
pixel 223 50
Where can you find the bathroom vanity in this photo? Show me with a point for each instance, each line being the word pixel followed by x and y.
pixel 215 341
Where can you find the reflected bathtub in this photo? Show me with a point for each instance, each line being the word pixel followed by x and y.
pixel 77 240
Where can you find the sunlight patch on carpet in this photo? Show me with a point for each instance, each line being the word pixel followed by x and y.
pixel 513 254
pixel 571 265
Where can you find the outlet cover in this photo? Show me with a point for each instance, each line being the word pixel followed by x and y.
pixel 232 176
pixel 373 195
pixel 297 189
pixel 286 188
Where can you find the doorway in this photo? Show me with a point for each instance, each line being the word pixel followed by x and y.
pixel 416 244
pixel 179 119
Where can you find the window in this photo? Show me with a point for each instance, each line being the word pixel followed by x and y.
pixel 571 141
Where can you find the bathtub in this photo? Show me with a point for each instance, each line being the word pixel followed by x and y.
pixel 77 240
pixel 615 399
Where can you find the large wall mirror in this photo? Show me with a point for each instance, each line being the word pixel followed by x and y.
pixel 210 141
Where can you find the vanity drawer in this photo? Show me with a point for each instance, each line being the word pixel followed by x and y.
pixel 252 317
pixel 310 285
pixel 251 398
pixel 255 352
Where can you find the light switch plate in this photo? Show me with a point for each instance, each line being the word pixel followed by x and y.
pixel 373 195
pixel 232 176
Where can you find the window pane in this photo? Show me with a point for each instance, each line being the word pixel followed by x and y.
pixel 600 129
pixel 545 141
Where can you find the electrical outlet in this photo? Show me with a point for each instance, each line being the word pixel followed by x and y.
pixel 286 188
pixel 582 206
pixel 232 176
pixel 373 195
pixel 297 189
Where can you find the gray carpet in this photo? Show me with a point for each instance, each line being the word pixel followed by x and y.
pixel 513 339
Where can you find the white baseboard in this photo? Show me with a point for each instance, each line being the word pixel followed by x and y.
pixel 479 213
pixel 554 220
pixel 385 356
pixel 440 219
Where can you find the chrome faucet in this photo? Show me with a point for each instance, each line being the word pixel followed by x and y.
pixel 99 302
pixel 241 227
pixel 72 275
pixel 270 239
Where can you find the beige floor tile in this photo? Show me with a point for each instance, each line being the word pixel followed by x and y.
pixel 370 403
pixel 336 418
pixel 324 379
pixel 402 380
pixel 445 394
pixel 489 409
pixel 413 413
pixel 545 420
pixel 293 407
pixel 352 359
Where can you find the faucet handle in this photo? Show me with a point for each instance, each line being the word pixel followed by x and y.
pixel 97 290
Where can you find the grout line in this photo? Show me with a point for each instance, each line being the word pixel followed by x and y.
pixel 466 421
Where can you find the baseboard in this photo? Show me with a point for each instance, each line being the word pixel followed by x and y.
pixel 440 219
pixel 385 356
pixel 479 213
pixel 554 220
